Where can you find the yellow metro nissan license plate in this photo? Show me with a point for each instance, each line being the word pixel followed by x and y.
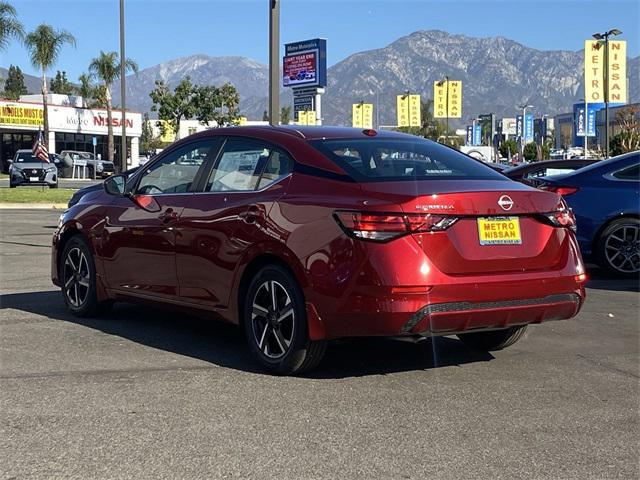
pixel 499 231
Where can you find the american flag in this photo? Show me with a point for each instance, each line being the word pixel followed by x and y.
pixel 39 150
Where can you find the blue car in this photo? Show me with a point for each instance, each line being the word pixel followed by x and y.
pixel 605 198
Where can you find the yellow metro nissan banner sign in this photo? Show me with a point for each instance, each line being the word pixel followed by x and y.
pixel 452 109
pixel 19 115
pixel 307 117
pixel 362 115
pixel 408 110
pixel 594 71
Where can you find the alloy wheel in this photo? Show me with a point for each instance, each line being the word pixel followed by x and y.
pixel 76 277
pixel 273 319
pixel 622 248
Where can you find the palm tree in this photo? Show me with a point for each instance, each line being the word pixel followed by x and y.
pixel 106 67
pixel 9 25
pixel 44 45
pixel 86 89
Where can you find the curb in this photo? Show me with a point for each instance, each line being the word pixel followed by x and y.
pixel 33 206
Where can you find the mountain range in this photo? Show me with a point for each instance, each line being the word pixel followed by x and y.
pixel 497 75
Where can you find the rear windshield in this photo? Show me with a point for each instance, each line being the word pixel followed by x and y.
pixel 392 159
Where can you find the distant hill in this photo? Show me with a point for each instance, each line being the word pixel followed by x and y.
pixel 497 74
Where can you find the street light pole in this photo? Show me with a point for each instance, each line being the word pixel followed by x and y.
pixel 274 62
pixel 123 140
pixel 600 36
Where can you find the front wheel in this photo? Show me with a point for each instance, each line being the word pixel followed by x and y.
pixel 493 340
pixel 619 247
pixel 275 324
pixel 78 279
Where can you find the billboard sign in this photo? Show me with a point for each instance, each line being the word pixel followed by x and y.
pixel 362 115
pixel 302 103
pixel 525 131
pixel 477 134
pixel 305 63
pixel 594 57
pixel 447 99
pixel 585 124
pixel 409 114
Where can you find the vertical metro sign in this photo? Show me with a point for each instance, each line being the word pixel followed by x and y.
pixel 594 57
pixel 362 115
pixel 455 99
pixel 618 71
pixel 307 117
pixel 409 114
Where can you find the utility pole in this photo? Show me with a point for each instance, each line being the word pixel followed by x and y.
pixel 274 62
pixel 123 144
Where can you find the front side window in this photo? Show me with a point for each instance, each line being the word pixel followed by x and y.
pixel 392 159
pixel 246 165
pixel 176 171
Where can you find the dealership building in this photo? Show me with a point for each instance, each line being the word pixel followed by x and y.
pixel 71 127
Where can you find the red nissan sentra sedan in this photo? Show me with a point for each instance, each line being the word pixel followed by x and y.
pixel 303 235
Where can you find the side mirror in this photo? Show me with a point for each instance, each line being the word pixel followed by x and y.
pixel 115 185
pixel 9 161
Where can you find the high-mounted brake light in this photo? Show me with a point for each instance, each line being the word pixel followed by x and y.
pixel 370 132
pixel 382 227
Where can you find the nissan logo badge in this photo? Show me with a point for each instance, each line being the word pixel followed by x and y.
pixel 505 202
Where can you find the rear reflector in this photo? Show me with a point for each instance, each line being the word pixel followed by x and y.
pixel 581 278
pixel 383 227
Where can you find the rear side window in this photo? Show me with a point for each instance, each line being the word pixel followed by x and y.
pixel 370 160
pixel 629 173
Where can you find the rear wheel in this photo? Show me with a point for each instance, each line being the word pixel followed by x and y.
pixel 619 247
pixel 493 340
pixel 275 324
pixel 78 279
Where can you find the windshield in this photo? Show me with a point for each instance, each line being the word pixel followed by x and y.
pixel 392 159
pixel 27 157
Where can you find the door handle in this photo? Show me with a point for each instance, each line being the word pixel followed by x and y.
pixel 251 214
pixel 169 215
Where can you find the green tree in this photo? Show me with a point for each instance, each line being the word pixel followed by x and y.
pixel 14 85
pixel 60 84
pixel 86 90
pixel 285 115
pixel 628 140
pixel 216 104
pixel 173 107
pixel 148 142
pixel 508 148
pixel 106 68
pixel 430 127
pixel 10 27
pixel 530 151
pixel 44 45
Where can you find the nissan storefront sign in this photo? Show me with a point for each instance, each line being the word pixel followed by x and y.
pixel 90 121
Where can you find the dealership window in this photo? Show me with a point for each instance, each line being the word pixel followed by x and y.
pixel 84 143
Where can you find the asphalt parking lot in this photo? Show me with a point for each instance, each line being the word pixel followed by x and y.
pixel 148 393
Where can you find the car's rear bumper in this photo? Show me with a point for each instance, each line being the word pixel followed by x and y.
pixel 456 308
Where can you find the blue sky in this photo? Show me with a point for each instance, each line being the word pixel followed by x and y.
pixel 160 30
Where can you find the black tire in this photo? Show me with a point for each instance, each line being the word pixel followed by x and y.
pixel 86 304
pixel 12 185
pixel 265 334
pixel 493 340
pixel 55 185
pixel 628 250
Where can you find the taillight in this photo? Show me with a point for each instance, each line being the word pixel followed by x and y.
pixel 563 191
pixel 563 217
pixel 382 227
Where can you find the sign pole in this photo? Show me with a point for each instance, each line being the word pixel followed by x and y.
pixel 446 135
pixel 123 143
pixel 606 96
pixel 274 62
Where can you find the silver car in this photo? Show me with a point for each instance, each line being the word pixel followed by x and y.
pixel 26 169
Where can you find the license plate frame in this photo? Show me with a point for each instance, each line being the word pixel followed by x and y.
pixel 34 179
pixel 501 230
